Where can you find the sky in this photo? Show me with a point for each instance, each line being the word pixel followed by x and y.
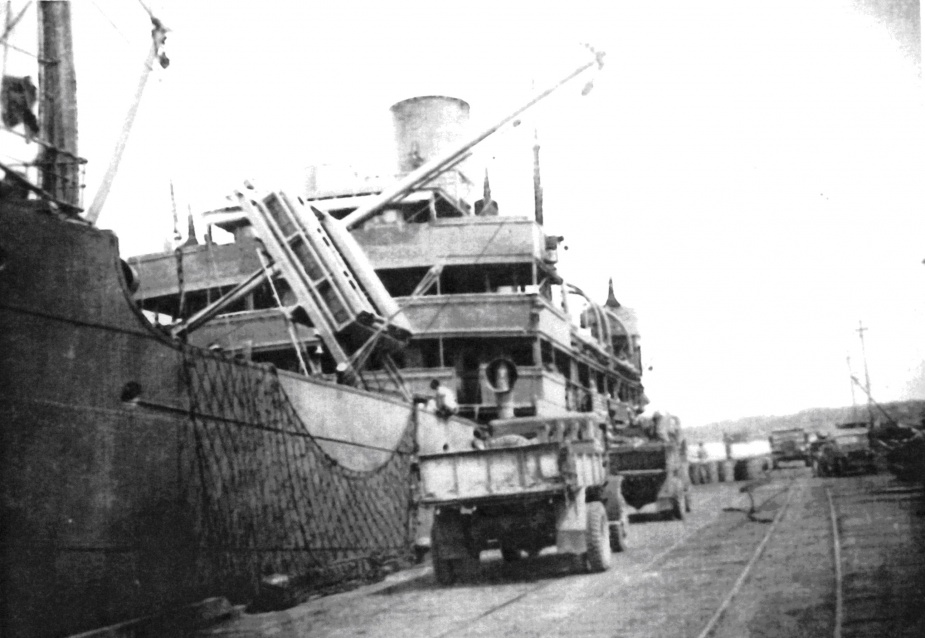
pixel 748 173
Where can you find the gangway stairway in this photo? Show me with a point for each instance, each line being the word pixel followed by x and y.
pixel 335 286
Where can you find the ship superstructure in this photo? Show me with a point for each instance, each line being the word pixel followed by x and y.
pixel 475 286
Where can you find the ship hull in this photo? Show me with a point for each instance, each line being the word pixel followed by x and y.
pixel 141 474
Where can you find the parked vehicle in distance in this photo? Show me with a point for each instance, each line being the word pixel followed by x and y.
pixel 789 445
pixel 846 451
pixel 815 451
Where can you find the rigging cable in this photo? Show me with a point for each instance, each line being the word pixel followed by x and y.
pixel 158 37
pixel 11 24
pixel 109 20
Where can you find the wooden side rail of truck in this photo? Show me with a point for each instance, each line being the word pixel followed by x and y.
pixel 538 482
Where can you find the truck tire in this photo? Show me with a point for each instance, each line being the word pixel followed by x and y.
pixel 446 532
pixel 599 553
pixel 510 553
pixel 619 530
pixel 443 570
pixel 618 536
pixel 677 508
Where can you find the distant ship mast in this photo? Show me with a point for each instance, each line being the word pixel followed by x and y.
pixel 854 401
pixel 870 407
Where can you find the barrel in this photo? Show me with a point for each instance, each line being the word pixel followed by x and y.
pixel 713 471
pixel 725 471
pixel 750 469
pixel 693 471
pixel 741 470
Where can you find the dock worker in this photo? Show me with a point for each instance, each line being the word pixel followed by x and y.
pixel 444 401
pixel 702 454
pixel 702 457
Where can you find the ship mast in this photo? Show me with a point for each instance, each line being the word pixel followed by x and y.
pixel 870 407
pixel 854 401
pixel 59 165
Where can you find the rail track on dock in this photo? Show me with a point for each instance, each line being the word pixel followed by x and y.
pixel 803 557
pixel 879 553
pixel 683 589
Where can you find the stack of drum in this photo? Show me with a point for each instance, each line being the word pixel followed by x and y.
pixel 704 472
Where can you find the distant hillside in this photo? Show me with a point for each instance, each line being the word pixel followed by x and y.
pixel 910 413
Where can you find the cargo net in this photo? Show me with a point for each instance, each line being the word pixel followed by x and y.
pixel 268 501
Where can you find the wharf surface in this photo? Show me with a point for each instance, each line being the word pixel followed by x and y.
pixel 720 572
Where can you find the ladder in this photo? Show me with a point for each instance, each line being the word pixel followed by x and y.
pixel 323 284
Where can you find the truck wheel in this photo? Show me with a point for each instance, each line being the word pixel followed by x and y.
pixel 509 553
pixel 447 538
pixel 619 531
pixel 598 538
pixel 618 534
pixel 443 570
pixel 677 508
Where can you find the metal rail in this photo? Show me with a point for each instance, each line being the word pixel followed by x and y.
pixel 715 618
pixel 836 552
pixel 721 610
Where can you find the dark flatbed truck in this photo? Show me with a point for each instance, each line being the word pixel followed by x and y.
pixel 653 471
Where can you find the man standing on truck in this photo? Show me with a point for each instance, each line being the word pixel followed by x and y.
pixel 444 402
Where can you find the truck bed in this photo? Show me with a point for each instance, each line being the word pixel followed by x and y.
pixel 539 469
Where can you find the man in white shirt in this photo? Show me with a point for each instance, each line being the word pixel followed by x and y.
pixel 444 400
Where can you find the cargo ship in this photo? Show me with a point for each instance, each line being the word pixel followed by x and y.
pixel 185 425
pixel 148 463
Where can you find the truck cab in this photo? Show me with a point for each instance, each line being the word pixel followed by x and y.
pixel 847 451
pixel 789 445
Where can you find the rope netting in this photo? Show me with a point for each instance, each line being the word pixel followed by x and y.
pixel 270 500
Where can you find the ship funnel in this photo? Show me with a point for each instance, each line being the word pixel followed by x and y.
pixel 426 127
